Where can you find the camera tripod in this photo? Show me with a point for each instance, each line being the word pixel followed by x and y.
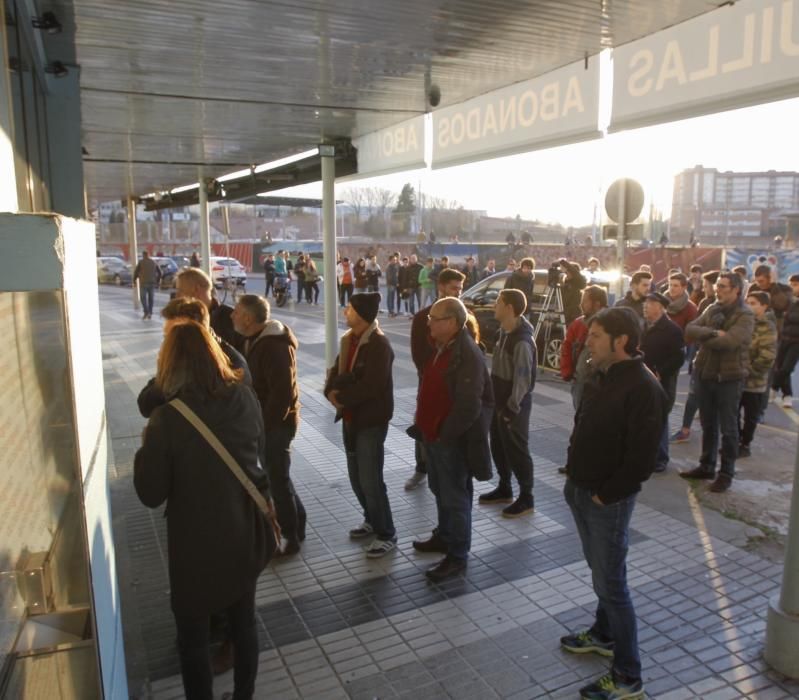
pixel 550 316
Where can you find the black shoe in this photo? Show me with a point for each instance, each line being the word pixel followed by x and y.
pixel 292 546
pixel 446 568
pixel 744 451
pixel 434 544
pixel 720 484
pixel 700 472
pixel 660 468
pixel 561 470
pixel 498 495
pixel 521 506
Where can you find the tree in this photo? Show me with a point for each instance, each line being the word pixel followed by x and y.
pixel 357 198
pixel 406 202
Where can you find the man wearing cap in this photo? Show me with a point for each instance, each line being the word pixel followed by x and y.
pixel 662 345
pixel 360 387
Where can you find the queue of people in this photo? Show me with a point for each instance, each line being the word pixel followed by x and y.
pixel 224 410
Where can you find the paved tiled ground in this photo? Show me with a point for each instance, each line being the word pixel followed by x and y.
pixel 334 624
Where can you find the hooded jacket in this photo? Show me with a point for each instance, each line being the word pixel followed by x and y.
pixel 762 353
pixel 367 390
pixel 272 358
pixel 513 368
pixel 722 358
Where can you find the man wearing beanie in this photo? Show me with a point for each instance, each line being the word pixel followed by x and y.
pixel 360 387
pixel 662 345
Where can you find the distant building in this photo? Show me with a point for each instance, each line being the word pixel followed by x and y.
pixel 729 208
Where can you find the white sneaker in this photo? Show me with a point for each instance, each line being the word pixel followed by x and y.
pixel 379 548
pixel 417 479
pixel 787 401
pixel 362 531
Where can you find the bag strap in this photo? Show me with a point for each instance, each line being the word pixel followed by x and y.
pixel 222 451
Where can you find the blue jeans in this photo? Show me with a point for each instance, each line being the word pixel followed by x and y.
pixel 393 298
pixel 428 295
pixel 365 457
pixel 718 411
pixel 146 294
pixel 604 534
pixel 451 484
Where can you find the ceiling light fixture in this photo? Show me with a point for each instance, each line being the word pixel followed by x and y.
pixel 184 188
pixel 49 22
pixel 285 161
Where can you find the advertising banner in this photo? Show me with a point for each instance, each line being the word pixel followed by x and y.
pixel 786 262
pixel 396 148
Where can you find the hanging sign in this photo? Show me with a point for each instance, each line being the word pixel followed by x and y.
pixel 737 55
pixel 398 147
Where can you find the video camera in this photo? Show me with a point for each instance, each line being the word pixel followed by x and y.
pixel 555 274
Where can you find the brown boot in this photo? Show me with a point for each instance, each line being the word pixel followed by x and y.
pixel 222 660
pixel 720 484
pixel 700 472
pixel 434 544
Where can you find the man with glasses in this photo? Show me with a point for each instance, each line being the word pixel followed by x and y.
pixel 724 333
pixel 450 284
pixel 453 412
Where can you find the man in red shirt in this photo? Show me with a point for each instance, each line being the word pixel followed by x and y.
pixel 681 309
pixel 453 414
pixel 360 386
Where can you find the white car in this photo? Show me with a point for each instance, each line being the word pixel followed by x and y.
pixel 224 269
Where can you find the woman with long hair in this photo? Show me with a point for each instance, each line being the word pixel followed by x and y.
pixel 218 539
pixel 311 281
pixel 361 278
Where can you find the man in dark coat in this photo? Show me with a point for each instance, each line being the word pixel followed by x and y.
pixel 453 412
pixel 611 451
pixel 148 275
pixel 571 289
pixel 360 387
pixel 271 351
pixel 193 282
pixel 662 346
pixel 640 286
pixel 523 279
pixel 269 274
pixel 449 284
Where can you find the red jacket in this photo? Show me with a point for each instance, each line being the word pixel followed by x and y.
pixel 576 334
pixel 687 314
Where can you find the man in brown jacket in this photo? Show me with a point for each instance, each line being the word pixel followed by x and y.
pixel 270 349
pixel 724 333
pixel 360 387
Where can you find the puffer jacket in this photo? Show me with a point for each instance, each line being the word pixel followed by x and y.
pixel 722 358
pixel 790 324
pixel 762 353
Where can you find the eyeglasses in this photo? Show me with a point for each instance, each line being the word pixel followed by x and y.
pixel 433 319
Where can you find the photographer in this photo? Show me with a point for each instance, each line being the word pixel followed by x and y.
pixel 572 288
pixel 523 280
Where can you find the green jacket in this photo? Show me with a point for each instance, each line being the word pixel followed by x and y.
pixel 424 278
pixel 722 358
pixel 762 353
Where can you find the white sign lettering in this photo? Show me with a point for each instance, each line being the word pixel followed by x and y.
pixel 399 147
pixel 558 107
pixel 733 56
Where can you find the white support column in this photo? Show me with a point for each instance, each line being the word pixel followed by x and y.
pixel 205 227
pixel 620 236
pixel 133 246
pixel 782 625
pixel 329 251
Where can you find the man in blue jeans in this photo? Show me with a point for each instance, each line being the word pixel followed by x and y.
pixel 453 414
pixel 148 275
pixel 360 387
pixel 724 334
pixel 605 467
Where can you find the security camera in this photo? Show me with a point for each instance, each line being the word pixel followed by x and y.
pixel 434 96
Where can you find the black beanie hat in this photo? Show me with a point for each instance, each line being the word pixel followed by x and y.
pixel 366 305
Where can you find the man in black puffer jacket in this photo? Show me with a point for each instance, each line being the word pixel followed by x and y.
pixel 611 451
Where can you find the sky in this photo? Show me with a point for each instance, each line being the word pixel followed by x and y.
pixel 563 184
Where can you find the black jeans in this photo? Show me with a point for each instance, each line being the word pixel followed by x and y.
pixel 277 462
pixel 309 287
pixel 300 287
pixel 718 413
pixel 344 294
pixel 787 356
pixel 195 658
pixel 750 405
pixel 510 451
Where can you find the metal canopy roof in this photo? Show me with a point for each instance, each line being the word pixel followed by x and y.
pixel 167 86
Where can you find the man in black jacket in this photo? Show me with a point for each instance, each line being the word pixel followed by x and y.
pixel 360 387
pixel 523 279
pixel 271 351
pixel 640 286
pixel 662 346
pixel 453 411
pixel 611 451
pixel 193 282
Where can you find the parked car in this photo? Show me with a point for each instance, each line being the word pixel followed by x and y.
pixel 482 298
pixel 169 269
pixel 181 261
pixel 224 269
pixel 113 270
